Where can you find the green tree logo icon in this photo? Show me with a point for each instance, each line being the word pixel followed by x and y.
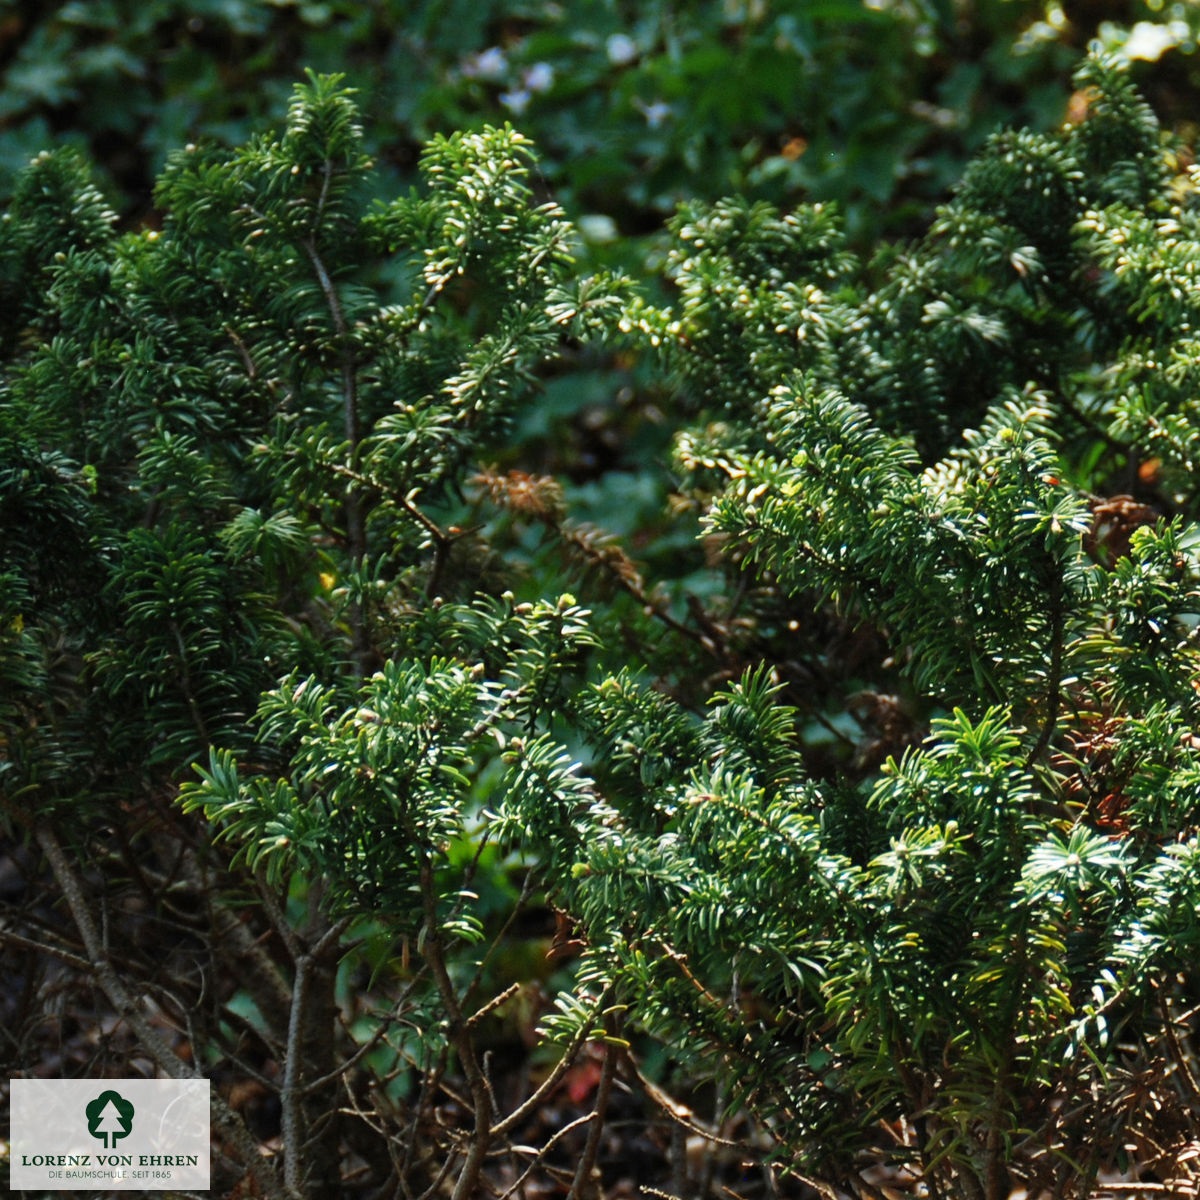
pixel 109 1117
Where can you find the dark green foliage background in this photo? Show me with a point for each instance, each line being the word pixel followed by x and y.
pixel 633 107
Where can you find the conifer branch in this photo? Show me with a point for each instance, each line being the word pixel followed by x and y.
pixel 540 498
pixel 185 684
pixel 356 539
pixel 1055 607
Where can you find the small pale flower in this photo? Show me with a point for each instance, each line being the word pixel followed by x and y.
pixel 621 49
pixel 516 101
pixel 487 64
pixel 538 78
pixel 655 113
pixel 1149 41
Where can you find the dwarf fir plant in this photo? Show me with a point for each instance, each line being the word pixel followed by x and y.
pixel 898 856
pixel 234 444
pixel 971 960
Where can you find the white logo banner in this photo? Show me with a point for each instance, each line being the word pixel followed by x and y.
pixel 109 1134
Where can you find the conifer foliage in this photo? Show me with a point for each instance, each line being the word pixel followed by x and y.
pixel 898 861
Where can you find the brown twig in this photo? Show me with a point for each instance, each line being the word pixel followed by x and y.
pixel 1191 1086
pixel 587 1162
pixel 547 1086
pixel 539 1155
pixel 295 1129
pixel 677 1112
pixel 72 960
pixel 129 1010
pixel 460 1037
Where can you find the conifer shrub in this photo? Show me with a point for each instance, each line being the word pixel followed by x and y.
pixel 879 819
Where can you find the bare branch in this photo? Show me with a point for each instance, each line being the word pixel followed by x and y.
pixel 130 1011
